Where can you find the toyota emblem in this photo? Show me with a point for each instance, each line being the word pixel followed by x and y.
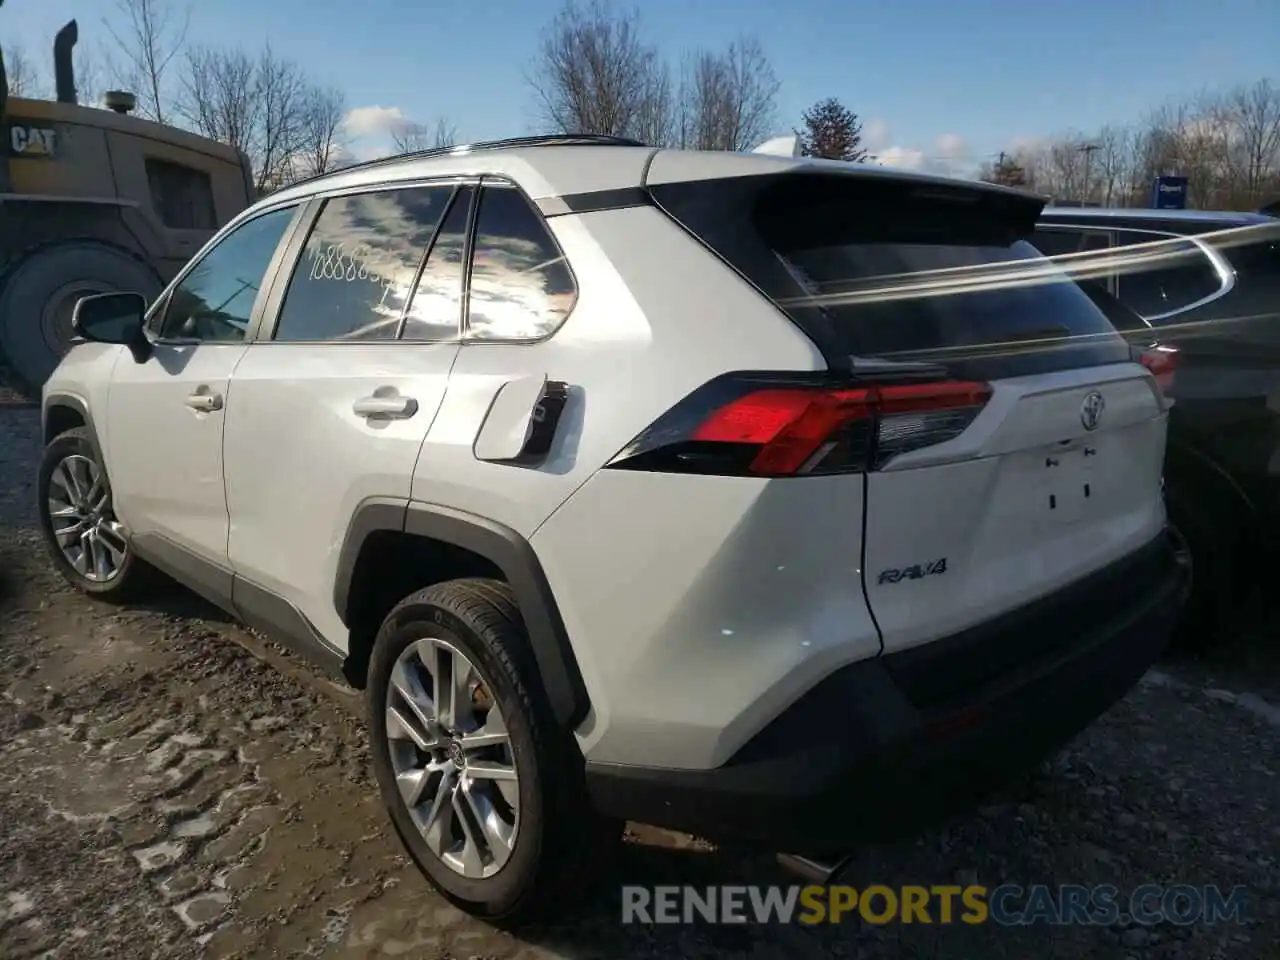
pixel 1091 410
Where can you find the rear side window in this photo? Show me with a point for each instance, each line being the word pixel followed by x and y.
pixel 521 285
pixel 1157 290
pixel 882 268
pixel 183 196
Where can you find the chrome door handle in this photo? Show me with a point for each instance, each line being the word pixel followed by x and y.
pixel 204 402
pixel 391 408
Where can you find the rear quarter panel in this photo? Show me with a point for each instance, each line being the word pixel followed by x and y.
pixel 656 317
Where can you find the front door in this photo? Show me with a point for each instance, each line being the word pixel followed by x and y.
pixel 331 404
pixel 165 416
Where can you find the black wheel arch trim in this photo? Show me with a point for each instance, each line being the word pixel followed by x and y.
pixel 70 401
pixel 509 552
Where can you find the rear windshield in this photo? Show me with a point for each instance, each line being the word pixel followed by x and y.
pixel 877 268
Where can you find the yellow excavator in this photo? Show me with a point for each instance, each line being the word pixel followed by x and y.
pixel 93 200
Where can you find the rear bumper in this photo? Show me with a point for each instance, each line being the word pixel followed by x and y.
pixel 886 746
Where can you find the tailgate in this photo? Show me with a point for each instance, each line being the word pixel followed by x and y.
pixel 1058 476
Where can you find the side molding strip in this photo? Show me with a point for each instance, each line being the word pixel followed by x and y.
pixel 253 605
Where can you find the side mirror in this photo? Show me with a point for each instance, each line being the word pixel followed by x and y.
pixel 114 318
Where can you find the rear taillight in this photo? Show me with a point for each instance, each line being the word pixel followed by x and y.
pixel 1163 363
pixel 774 426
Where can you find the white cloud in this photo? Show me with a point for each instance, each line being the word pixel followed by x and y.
pixel 905 158
pixel 374 121
pixel 951 146
pixel 875 134
pixel 1029 144
pixel 875 138
pixel 879 143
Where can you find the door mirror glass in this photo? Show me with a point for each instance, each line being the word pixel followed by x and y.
pixel 110 317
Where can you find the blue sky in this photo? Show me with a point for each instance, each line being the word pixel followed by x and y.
pixel 933 81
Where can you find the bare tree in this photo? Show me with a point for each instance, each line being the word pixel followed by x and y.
pixel 153 33
pixel 23 78
pixel 1114 159
pixel 594 73
pixel 409 137
pixel 264 105
pixel 1226 143
pixel 281 91
pixel 218 96
pixel 90 83
pixel 729 98
pixel 704 92
pixel 321 135
pixel 1255 116
pixel 656 120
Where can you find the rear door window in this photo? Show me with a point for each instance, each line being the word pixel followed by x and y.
pixel 360 265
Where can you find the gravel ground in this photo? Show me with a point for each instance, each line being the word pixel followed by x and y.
pixel 178 787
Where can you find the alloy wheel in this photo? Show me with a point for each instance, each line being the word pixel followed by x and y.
pixel 83 522
pixel 452 758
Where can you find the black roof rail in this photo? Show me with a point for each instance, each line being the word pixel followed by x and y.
pixel 542 140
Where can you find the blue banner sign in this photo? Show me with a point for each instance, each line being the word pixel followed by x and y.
pixel 1169 193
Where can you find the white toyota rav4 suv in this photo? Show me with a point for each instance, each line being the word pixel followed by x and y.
pixel 770 499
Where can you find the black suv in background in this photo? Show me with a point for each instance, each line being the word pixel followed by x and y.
pixel 1207 284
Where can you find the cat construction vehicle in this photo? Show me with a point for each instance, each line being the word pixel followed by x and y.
pixel 94 200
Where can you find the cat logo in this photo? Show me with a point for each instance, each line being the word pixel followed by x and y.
pixel 29 142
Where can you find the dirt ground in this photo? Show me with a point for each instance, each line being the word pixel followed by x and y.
pixel 175 786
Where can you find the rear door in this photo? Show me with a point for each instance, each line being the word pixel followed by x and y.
pixel 330 406
pixel 1025 453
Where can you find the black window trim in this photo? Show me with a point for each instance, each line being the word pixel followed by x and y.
pixel 156 314
pixel 460 319
pixel 536 210
pixel 314 204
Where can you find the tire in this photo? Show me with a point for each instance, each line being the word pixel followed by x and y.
pixel 38 296
pixel 132 577
pixel 557 835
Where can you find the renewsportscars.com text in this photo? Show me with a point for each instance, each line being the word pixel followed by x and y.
pixel 1008 905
